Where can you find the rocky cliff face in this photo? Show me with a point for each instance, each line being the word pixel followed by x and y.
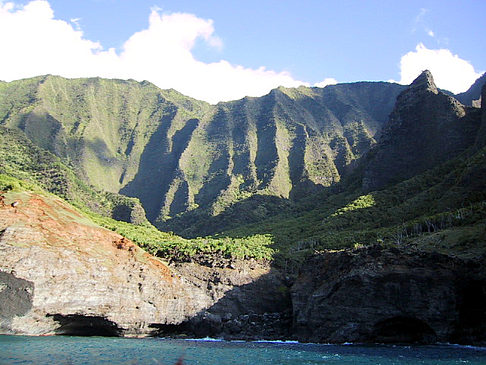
pixel 425 129
pixel 60 274
pixel 481 138
pixel 390 295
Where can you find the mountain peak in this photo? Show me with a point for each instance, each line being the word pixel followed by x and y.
pixel 425 81
pixel 425 129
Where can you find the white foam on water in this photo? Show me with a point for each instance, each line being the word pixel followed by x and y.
pixel 205 339
pixel 277 341
pixel 481 348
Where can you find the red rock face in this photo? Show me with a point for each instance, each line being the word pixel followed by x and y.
pixel 61 274
pixel 77 268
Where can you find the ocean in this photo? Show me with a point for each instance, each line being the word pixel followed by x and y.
pixel 109 350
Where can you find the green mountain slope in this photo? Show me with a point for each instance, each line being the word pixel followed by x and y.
pixel 449 200
pixel 22 159
pixel 302 165
pixel 428 187
pixel 101 126
pixel 180 156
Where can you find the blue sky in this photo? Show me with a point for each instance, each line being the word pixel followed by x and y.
pixel 223 50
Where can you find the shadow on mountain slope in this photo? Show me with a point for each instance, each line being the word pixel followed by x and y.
pixel 199 223
pixel 158 165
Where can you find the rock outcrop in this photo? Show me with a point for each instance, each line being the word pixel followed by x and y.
pixel 80 277
pixel 61 274
pixel 378 294
pixel 249 309
pixel 425 129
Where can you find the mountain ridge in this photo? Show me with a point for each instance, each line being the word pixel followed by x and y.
pixel 187 161
pixel 344 262
pixel 278 144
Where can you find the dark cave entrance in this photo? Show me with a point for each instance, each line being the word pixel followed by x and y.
pixel 403 330
pixel 170 330
pixel 80 325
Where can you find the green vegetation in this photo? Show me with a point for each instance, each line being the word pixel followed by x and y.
pixel 178 155
pixel 263 178
pixel 172 247
pixel 21 159
pixel 9 183
pixel 439 203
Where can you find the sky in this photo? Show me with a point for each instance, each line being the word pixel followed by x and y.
pixel 219 50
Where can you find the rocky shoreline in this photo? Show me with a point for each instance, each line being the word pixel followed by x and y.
pixel 368 295
pixel 60 274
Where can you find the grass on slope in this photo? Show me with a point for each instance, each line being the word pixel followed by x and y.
pixel 446 204
pixel 162 244
pixel 172 247
pixel 20 158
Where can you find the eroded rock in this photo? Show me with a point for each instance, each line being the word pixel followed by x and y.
pixel 72 277
pixel 378 294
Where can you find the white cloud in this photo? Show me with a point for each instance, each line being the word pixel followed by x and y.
pixel 450 71
pixel 325 82
pixel 430 33
pixel 33 43
pixel 419 19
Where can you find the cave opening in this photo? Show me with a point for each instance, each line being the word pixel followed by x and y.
pixel 170 330
pixel 81 325
pixel 401 329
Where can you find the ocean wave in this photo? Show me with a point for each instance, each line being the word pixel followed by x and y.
pixel 481 348
pixel 278 341
pixel 205 339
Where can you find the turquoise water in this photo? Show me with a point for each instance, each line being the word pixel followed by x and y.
pixel 105 350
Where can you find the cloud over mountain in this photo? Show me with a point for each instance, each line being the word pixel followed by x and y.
pixel 34 42
pixel 38 43
pixel 450 71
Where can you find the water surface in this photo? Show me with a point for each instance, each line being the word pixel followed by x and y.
pixel 106 350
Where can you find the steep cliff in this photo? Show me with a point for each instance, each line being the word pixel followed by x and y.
pixel 61 274
pixel 391 295
pixel 481 138
pixel 472 97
